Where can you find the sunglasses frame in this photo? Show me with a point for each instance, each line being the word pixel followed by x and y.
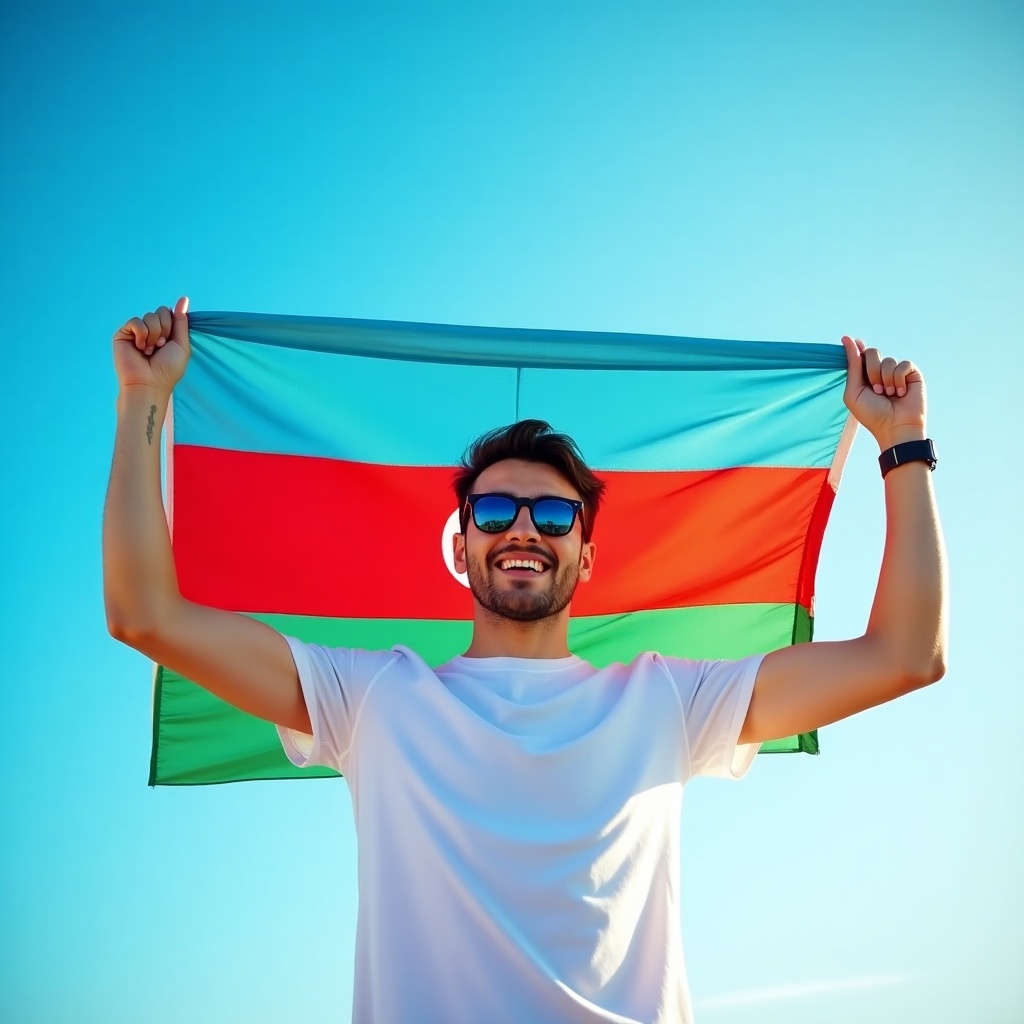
pixel 520 503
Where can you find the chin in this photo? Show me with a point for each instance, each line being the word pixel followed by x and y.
pixel 522 601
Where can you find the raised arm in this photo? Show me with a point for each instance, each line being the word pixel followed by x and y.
pixel 243 661
pixel 806 686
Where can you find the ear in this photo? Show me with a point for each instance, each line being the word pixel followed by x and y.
pixel 459 551
pixel 587 555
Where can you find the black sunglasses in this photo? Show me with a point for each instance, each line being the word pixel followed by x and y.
pixel 494 513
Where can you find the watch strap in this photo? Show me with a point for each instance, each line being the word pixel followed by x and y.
pixel 909 451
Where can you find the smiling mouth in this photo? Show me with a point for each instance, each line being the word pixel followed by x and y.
pixel 521 566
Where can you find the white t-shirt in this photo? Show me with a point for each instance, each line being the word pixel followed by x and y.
pixel 518 826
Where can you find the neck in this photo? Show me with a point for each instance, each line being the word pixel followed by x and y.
pixel 497 637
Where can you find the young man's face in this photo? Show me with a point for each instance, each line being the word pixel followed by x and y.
pixel 524 593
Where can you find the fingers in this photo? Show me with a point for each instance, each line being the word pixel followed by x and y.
pixel 906 373
pixel 873 370
pixel 887 371
pixel 134 331
pixel 152 331
pixel 879 373
pixel 885 376
pixel 157 330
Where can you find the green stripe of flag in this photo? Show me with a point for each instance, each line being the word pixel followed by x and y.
pixel 199 739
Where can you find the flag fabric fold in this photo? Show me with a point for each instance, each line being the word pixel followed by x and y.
pixel 309 464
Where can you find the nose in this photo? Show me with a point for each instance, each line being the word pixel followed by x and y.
pixel 522 526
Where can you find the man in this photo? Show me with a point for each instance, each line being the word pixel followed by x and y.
pixel 517 810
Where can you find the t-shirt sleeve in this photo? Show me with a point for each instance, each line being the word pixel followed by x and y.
pixel 334 682
pixel 715 696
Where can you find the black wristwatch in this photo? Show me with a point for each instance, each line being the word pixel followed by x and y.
pixel 909 451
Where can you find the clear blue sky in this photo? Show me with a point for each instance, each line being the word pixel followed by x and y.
pixel 790 171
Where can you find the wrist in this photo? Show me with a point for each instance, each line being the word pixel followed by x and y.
pixel 899 435
pixel 142 397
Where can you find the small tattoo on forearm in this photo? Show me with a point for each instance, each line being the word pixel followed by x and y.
pixel 151 424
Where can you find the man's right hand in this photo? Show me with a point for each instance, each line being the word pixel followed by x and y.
pixel 153 350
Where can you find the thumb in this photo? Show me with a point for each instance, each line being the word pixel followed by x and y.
pixel 179 330
pixel 854 366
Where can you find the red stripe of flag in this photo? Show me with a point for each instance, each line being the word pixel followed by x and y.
pixel 294 534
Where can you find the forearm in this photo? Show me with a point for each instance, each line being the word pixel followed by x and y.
pixel 140 582
pixel 908 616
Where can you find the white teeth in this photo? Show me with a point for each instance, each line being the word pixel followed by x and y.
pixel 521 563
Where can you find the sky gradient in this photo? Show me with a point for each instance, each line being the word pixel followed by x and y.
pixel 789 171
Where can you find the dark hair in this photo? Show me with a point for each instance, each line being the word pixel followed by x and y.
pixel 531 441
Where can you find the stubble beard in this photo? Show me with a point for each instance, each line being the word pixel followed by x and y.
pixel 523 604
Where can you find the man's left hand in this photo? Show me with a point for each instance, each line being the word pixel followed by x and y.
pixel 887 397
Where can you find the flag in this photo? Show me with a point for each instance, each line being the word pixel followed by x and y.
pixel 309 464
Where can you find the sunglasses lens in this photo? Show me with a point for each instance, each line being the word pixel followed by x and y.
pixel 493 513
pixel 553 516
